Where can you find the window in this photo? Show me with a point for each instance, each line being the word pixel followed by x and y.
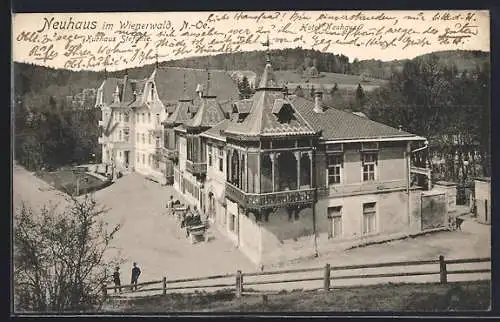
pixel 232 222
pixel 137 137
pixel 221 159
pixel 157 143
pixel 149 118
pixel 126 117
pixel 335 216
pixel 120 135
pixel 149 159
pixel 126 134
pixel 143 158
pixel 369 217
pixel 143 118
pixel 143 138
pixel 149 138
pixel 335 163
pixel 157 119
pixel 369 166
pixel 138 159
pixel 209 148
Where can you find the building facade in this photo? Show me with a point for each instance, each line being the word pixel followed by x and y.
pixel 281 176
pixel 137 118
pixel 285 177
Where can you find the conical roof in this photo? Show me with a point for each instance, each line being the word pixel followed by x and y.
pixel 271 114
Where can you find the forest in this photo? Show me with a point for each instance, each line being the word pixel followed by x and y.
pixel 434 95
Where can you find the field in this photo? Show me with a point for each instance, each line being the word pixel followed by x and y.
pixel 468 296
pixel 65 180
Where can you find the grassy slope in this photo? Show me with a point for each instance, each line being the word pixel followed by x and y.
pixel 387 297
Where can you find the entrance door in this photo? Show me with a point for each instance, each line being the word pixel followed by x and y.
pixel 127 158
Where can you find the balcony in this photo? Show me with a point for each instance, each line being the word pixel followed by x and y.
pixel 157 130
pixel 170 154
pixel 123 144
pixel 269 199
pixel 196 168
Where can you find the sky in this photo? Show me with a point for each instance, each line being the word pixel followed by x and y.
pixel 94 41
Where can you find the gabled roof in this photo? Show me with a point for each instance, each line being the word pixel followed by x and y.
pixel 108 89
pixel 209 114
pixel 338 125
pixel 244 106
pixel 182 112
pixel 174 83
pixel 261 121
pixel 217 131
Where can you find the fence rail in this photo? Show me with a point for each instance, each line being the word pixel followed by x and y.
pixel 327 278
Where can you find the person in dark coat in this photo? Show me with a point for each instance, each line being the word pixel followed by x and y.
pixel 170 205
pixel 136 271
pixel 116 279
pixel 196 219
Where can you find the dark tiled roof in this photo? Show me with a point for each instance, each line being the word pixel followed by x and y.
pixel 182 112
pixel 217 130
pixel 263 119
pixel 109 88
pixel 174 83
pixel 209 114
pixel 337 124
pixel 243 106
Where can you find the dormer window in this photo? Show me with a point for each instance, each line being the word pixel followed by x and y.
pixel 152 91
pixel 286 114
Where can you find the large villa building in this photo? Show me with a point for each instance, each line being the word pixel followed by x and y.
pixel 281 176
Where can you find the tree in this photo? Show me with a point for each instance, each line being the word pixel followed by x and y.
pixel 244 88
pixel 59 262
pixel 298 91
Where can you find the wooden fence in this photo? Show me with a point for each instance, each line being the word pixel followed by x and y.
pixel 440 269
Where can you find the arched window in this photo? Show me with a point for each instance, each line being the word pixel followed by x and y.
pixel 235 169
pixel 266 172
pixel 287 171
pixel 305 170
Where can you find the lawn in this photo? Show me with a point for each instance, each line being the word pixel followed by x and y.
pixel 65 180
pixel 463 296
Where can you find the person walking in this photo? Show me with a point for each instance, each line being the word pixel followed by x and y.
pixel 116 279
pixel 171 205
pixel 136 271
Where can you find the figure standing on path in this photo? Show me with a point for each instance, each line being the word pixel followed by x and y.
pixel 116 279
pixel 136 271
pixel 171 205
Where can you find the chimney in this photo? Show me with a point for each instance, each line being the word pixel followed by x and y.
pixel 285 91
pixel 318 100
pixel 199 90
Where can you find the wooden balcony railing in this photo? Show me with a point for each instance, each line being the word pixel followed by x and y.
pixel 196 168
pixel 269 199
pixel 171 154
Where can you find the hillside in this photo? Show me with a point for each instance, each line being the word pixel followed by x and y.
pixel 32 78
pixel 463 60
pixel 390 297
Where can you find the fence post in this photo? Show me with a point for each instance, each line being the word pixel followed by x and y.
pixel 443 278
pixel 164 285
pixel 238 284
pixel 104 290
pixel 326 281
